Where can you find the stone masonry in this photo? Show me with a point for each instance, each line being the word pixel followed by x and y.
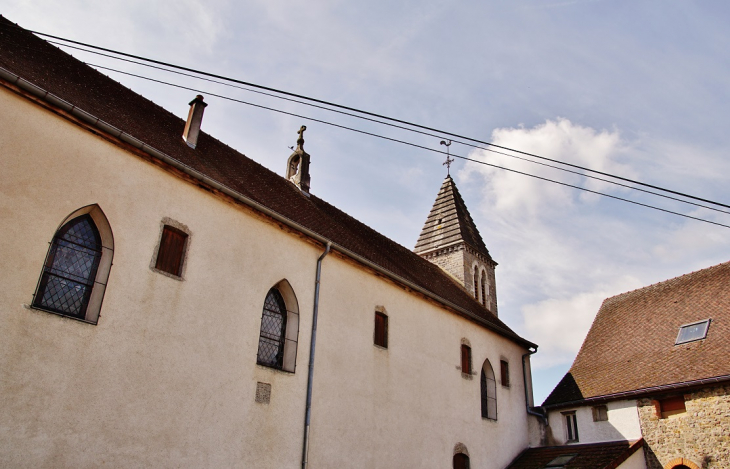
pixel 701 435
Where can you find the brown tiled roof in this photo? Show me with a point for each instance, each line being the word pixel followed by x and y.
pixel 46 66
pixel 449 223
pixel 630 346
pixel 592 456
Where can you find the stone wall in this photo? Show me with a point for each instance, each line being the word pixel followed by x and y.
pixel 701 435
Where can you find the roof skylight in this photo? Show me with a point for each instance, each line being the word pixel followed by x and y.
pixel 560 461
pixel 692 332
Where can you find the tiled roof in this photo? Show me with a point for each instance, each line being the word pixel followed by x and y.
pixel 631 344
pixel 46 66
pixel 591 456
pixel 449 222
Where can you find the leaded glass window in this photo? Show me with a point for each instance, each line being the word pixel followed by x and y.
pixel 273 330
pixel 70 270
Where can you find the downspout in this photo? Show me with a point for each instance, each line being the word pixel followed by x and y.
pixel 527 396
pixel 312 343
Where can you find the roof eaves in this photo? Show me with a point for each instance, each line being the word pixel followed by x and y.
pixel 641 392
pixel 107 128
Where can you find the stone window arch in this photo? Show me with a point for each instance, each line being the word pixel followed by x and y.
pixel 681 463
pixel 460 459
pixel 75 274
pixel 279 330
pixel 488 391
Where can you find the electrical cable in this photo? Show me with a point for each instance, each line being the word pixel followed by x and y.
pixel 340 126
pixel 379 116
pixel 391 125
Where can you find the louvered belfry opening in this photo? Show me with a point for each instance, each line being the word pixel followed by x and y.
pixel 273 331
pixel 171 251
pixel 70 269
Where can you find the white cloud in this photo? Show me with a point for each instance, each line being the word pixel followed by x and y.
pixel 557 139
pixel 559 325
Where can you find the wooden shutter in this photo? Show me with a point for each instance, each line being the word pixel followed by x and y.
pixel 170 254
pixel 673 403
pixel 465 359
pixel 381 330
pixel 504 368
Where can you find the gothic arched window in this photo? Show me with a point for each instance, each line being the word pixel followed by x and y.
pixel 489 392
pixel 77 267
pixel 273 330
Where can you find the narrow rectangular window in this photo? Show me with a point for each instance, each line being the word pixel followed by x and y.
pixel 170 254
pixel 504 368
pixel 381 330
pixel 465 359
pixel 571 427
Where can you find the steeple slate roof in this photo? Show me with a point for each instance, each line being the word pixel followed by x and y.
pixel 449 223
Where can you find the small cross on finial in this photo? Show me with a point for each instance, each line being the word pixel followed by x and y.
pixel 300 140
pixel 449 160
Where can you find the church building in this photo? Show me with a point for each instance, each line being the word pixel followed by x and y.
pixel 167 301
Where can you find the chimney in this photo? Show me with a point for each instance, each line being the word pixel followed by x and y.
pixel 195 118
pixel 297 167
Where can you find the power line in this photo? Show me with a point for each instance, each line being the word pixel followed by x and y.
pixel 379 116
pixel 415 145
pixel 393 125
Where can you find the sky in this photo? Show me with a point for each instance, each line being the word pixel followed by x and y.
pixel 639 89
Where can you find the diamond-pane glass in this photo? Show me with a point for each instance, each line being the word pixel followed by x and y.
pixel 68 276
pixel 273 328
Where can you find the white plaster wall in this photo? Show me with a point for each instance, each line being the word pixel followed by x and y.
pixel 635 461
pixel 168 376
pixel 622 423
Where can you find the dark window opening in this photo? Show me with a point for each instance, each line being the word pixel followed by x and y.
pixel 380 336
pixel 488 387
pixel 172 248
pixel 465 359
pixel 70 269
pixel 273 331
pixel 571 426
pixel 461 461
pixel 504 369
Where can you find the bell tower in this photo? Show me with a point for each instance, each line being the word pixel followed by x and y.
pixel 450 240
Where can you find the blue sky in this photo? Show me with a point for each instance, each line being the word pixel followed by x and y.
pixel 636 88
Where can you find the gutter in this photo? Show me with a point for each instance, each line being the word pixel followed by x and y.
pixel 312 343
pixel 642 391
pixel 133 141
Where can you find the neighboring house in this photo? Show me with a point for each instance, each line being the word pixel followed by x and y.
pixel 654 366
pixel 160 293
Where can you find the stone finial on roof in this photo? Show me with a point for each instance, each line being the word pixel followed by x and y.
pixel 297 167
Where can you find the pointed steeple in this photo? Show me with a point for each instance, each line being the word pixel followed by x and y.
pixel 451 240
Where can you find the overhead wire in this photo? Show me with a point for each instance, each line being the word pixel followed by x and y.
pixel 379 116
pixel 415 145
pixel 589 176
pixel 393 125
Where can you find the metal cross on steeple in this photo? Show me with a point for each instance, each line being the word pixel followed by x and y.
pixel 449 160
